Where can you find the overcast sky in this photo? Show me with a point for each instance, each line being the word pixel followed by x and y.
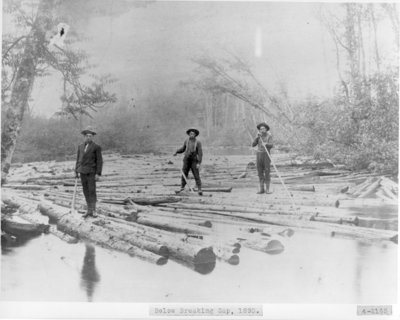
pixel 152 47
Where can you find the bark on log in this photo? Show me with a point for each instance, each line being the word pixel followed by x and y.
pixel 222 251
pixel 29 212
pixel 302 188
pixel 84 229
pixel 359 233
pixel 201 259
pixel 173 226
pixel 19 229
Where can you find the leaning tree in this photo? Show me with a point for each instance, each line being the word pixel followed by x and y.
pixel 37 45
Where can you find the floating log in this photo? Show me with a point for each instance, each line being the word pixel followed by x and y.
pixel 302 188
pixel 144 201
pixel 322 227
pixel 364 202
pixel 271 246
pixel 369 190
pixel 227 189
pixel 171 225
pixel 222 251
pixel 23 229
pixel 78 227
pixel 24 187
pixel 201 259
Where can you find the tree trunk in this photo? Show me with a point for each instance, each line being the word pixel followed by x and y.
pixel 23 85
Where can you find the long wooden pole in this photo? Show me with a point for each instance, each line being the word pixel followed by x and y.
pixel 279 175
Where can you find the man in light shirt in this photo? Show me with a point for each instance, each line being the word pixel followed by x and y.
pixel 263 141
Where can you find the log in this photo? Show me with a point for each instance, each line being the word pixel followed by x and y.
pixel 173 226
pixel 359 233
pixel 302 188
pixel 326 219
pixel 294 214
pixel 369 190
pixel 363 186
pixel 24 187
pixel 222 251
pixel 361 203
pixel 271 246
pixel 146 243
pixel 85 229
pixel 227 189
pixel 29 212
pixel 201 259
pixel 19 229
pixel 144 201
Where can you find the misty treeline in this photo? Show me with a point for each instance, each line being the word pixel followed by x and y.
pixel 223 97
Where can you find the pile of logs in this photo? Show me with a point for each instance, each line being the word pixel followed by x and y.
pixel 376 187
pixel 141 214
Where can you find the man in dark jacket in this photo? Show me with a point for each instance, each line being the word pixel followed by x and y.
pixel 263 141
pixel 192 158
pixel 89 163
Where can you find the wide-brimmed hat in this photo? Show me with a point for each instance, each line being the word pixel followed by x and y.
pixel 88 129
pixel 263 124
pixel 196 132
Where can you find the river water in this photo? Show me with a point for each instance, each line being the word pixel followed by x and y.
pixel 312 269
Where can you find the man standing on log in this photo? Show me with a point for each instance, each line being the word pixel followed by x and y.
pixel 263 141
pixel 89 163
pixel 192 159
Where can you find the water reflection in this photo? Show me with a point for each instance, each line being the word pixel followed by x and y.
pixel 89 274
pixel 10 241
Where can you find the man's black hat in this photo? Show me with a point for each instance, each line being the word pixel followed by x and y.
pixel 88 130
pixel 196 132
pixel 263 124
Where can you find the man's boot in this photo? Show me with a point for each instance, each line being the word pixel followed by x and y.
pixel 261 187
pixel 94 215
pixel 267 188
pixel 199 191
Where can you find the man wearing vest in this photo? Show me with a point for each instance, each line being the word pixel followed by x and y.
pixel 192 158
pixel 89 163
pixel 263 141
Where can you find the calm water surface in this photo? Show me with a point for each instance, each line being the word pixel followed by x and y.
pixel 312 269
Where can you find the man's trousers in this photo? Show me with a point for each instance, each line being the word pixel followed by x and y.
pixel 263 167
pixel 89 190
pixel 190 164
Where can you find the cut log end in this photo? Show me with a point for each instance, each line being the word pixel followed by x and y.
pixel 163 251
pixel 204 261
pixel 274 247
pixel 234 260
pixel 236 250
pixel 161 261
pixel 207 224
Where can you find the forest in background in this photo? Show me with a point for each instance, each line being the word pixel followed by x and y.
pixel 224 98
